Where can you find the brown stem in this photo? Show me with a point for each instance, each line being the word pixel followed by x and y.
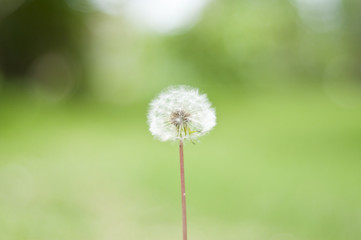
pixel 183 188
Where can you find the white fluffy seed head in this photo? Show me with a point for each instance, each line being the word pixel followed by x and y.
pixel 179 113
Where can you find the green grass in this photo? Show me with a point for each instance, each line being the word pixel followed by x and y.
pixel 276 167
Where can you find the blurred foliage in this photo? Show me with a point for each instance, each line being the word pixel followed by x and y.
pixel 42 41
pixel 263 42
pixel 269 44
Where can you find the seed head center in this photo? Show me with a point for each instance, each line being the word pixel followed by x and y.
pixel 179 118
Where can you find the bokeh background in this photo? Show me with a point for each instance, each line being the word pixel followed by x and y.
pixel 77 160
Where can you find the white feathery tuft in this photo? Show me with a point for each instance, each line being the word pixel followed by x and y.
pixel 179 113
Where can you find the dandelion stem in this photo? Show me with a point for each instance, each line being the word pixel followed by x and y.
pixel 184 211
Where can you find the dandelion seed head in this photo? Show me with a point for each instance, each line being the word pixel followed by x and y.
pixel 180 112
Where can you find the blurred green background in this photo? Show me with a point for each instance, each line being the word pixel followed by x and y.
pixel 77 160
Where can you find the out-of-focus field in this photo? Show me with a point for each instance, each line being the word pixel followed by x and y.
pixel 276 167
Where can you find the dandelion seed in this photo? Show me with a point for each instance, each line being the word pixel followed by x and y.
pixel 181 113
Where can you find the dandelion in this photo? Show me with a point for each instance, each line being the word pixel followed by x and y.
pixel 181 113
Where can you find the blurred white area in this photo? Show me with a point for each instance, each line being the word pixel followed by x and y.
pixel 112 7
pixel 114 57
pixel 161 16
pixel 320 15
